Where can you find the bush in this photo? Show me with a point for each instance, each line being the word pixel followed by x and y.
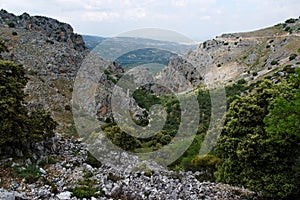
pixel 290 21
pixel 113 177
pixel 91 160
pixel 274 62
pixel 31 173
pixel 241 81
pixel 86 189
pixel 288 29
pixel 207 165
pixel 292 56
pixel 11 25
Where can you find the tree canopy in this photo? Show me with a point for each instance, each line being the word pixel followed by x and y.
pixel 259 146
pixel 18 125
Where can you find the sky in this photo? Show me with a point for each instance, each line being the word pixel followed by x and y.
pixel 196 19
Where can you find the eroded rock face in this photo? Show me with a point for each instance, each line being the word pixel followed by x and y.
pixel 51 28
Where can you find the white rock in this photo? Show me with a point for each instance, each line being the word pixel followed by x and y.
pixel 64 195
pixel 42 171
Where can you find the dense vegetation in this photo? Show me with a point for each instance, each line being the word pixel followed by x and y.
pixel 18 125
pixel 259 145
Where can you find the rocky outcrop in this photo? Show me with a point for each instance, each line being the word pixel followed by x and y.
pixel 51 28
pixel 52 54
pixel 143 181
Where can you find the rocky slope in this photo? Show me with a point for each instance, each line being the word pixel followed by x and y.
pixel 71 174
pixel 53 54
pixel 252 55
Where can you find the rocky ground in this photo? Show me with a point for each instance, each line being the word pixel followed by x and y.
pixel 71 173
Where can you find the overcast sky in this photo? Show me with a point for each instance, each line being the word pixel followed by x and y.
pixel 196 19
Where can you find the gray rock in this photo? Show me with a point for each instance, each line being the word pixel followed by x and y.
pixel 64 195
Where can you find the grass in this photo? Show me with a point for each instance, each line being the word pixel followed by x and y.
pixel 31 173
pixel 87 187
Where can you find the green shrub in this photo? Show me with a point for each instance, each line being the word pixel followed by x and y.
pixel 91 160
pixel 86 192
pixel 290 21
pixel 289 69
pixel 31 173
pixel 87 188
pixel 11 24
pixel 288 29
pixel 241 81
pixel 207 165
pixel 292 56
pixel 274 62
pixel 113 177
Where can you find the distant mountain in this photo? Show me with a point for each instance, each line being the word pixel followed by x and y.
pixel 134 51
pixel 92 41
pixel 146 56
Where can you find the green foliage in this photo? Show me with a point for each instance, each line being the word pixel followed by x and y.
pixel 31 173
pixel 121 139
pixel 233 91
pixel 11 24
pixel 274 62
pixel 113 177
pixel 18 126
pixel 259 145
pixel 292 56
pixel 145 99
pixel 91 160
pixel 288 29
pixel 207 165
pixel 290 21
pixel 47 160
pixel 86 189
pixel 145 56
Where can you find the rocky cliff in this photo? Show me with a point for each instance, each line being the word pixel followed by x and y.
pixel 52 54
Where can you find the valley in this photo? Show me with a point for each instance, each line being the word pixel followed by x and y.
pixel 137 118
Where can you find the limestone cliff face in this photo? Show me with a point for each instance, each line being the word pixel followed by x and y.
pixel 52 54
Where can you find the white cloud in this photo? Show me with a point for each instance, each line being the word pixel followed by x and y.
pixel 136 13
pixel 179 3
pixel 100 16
pixel 204 18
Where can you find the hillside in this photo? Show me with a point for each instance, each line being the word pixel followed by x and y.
pixel 63 72
pixel 250 56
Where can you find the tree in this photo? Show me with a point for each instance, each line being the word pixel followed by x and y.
pixel 121 139
pixel 18 126
pixel 259 145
